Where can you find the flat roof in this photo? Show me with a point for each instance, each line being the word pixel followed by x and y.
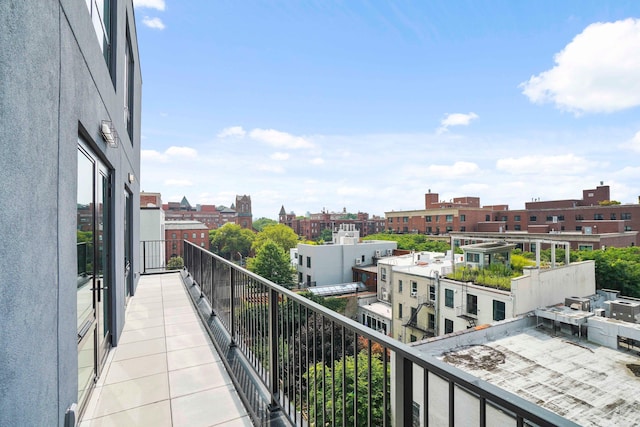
pixel 581 381
pixel 379 308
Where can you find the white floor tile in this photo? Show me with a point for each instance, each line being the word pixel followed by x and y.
pixel 129 369
pixel 194 356
pixel 206 408
pixel 197 378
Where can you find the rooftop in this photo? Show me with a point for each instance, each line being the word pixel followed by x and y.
pixel 586 383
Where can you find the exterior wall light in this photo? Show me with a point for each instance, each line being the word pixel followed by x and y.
pixel 109 134
pixel 131 177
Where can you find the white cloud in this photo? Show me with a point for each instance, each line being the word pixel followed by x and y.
pixel 456 170
pixel 181 152
pixel 456 119
pixel 279 139
pixel 280 156
pixel 317 161
pixel 271 168
pixel 599 71
pixel 634 143
pixel 149 4
pixel 171 152
pixel 234 131
pixel 155 23
pixel 178 182
pixel 545 165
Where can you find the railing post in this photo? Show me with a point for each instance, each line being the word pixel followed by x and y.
pixel 403 402
pixel 232 307
pixel 144 257
pixel 273 350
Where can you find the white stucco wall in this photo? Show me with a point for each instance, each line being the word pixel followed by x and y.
pixel 541 288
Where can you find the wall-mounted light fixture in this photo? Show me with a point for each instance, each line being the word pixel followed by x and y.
pixel 109 134
pixel 131 178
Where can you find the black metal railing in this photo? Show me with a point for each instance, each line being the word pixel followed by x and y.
pixel 156 255
pixel 320 368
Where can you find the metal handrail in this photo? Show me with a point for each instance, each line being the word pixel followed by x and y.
pixel 271 327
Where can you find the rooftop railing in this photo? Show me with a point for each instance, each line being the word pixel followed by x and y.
pixel 298 362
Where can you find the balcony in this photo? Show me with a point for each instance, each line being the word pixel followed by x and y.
pixel 217 336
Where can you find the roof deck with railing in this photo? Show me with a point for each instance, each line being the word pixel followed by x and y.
pixel 283 360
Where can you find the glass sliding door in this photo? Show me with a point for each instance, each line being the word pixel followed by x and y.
pixel 94 209
pixel 128 243
pixel 85 275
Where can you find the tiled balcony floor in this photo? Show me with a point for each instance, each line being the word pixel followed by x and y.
pixel 165 371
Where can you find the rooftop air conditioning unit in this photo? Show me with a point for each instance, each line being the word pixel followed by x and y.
pixel 358 261
pixel 389 252
pixel 385 296
pixel 377 253
pixel 414 293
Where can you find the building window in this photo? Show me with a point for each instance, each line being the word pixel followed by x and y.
pixel 585 247
pixel 173 235
pixel 202 244
pixel 517 227
pixel 503 218
pixel 612 216
pixel 431 321
pixel 405 219
pixel 100 11
pixel 202 235
pixel 560 217
pixel 533 218
pixel 448 326
pixel 463 228
pixel 498 310
pixel 598 216
pixel 448 298
pixel 432 292
pixel 516 218
pixel 428 218
pixel 193 235
pixel 399 285
pixel 308 280
pixel 308 262
pixel 579 217
pixel 578 228
pixel 487 217
pixel 414 288
pixel 472 304
pixel 128 86
pixel 532 247
pixel 449 229
pixel 625 216
pixel 174 246
pixel 413 338
pixel 399 311
pixel 627 228
pixel 300 259
pixel 185 235
pixel 390 220
pixel 383 273
pixel 471 257
pixel 463 218
pixel 429 230
pixel 449 218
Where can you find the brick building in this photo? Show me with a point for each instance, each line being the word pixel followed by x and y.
pixel 313 226
pixel 441 217
pixel 591 222
pixel 210 215
pixel 177 231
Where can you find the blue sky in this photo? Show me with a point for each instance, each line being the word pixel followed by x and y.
pixel 367 105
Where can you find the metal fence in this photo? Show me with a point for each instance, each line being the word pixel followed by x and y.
pixel 321 368
pixel 155 255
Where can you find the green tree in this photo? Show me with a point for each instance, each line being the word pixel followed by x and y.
pixel 272 263
pixel 175 263
pixel 230 239
pixel 414 242
pixel 326 395
pixel 326 235
pixel 280 234
pixel 260 223
pixel 616 268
